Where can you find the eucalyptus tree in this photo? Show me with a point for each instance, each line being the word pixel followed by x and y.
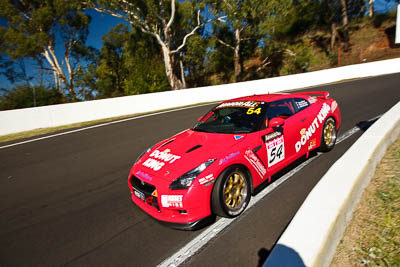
pixel 129 63
pixel 246 20
pixel 157 18
pixel 32 30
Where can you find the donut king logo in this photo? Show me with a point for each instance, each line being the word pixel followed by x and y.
pixel 306 134
pixel 158 159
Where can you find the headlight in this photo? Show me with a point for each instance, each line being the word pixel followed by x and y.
pixel 187 179
pixel 141 155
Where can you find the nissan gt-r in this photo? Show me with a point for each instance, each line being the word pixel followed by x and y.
pixel 214 167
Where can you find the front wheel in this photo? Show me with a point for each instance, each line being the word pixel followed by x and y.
pixel 231 192
pixel 329 134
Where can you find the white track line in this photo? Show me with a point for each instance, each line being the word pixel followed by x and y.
pixel 212 231
pixel 101 125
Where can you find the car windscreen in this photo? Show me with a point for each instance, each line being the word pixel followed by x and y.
pixel 233 118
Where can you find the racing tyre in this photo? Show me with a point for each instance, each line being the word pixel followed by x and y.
pixel 231 192
pixel 328 136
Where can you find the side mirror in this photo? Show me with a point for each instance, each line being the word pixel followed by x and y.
pixel 275 122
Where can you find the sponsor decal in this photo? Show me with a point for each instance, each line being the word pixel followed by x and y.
pixel 154 194
pixel 313 144
pixel 303 131
pixel 312 99
pixel 229 157
pixel 174 201
pixel 144 176
pixel 149 200
pixel 334 106
pixel 302 104
pixel 206 179
pixel 154 163
pixel 255 162
pixel 240 104
pixel 309 132
pixel 275 151
pixel 237 137
pixel 139 195
pixel 271 136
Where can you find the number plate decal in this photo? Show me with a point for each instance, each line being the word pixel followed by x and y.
pixel 138 194
pixel 275 150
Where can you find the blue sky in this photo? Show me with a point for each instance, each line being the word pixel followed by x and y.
pixel 102 23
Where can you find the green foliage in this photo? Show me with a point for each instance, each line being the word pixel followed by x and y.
pixel 296 58
pixel 31 32
pixel 24 96
pixel 273 38
pixel 129 63
pixel 195 61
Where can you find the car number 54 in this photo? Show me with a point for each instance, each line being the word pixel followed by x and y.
pixel 275 151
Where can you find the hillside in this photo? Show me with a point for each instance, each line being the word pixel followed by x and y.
pixel 370 40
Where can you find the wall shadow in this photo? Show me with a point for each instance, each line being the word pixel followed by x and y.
pixel 283 256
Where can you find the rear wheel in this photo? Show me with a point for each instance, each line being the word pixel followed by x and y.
pixel 329 134
pixel 231 192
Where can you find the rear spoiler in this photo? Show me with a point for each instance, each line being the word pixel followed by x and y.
pixel 315 93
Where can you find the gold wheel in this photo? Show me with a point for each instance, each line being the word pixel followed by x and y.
pixel 330 133
pixel 235 190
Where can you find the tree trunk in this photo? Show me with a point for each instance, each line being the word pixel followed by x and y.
pixel 174 81
pixel 58 72
pixel 236 57
pixel 345 22
pixel 345 18
pixel 371 8
pixel 182 73
pixel 334 35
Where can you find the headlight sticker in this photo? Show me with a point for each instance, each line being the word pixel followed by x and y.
pixel 206 179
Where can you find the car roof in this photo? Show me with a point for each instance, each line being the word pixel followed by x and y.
pixel 265 97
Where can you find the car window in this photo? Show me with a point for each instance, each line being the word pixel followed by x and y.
pixel 234 117
pixel 301 104
pixel 281 108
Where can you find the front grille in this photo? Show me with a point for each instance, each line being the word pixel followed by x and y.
pixel 142 185
pixel 147 189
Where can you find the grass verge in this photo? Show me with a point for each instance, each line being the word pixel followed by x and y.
pixel 372 238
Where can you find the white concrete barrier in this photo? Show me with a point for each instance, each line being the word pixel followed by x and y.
pixel 316 229
pixel 397 40
pixel 14 121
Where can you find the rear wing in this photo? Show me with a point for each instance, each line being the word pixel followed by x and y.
pixel 315 93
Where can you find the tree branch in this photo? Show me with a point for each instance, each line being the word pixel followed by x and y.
pixel 225 44
pixel 264 63
pixel 193 31
pixel 171 20
pixel 228 4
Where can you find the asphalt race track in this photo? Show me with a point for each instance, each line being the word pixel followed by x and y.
pixel 64 201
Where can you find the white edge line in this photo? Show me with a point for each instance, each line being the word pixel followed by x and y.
pixel 208 234
pixel 103 124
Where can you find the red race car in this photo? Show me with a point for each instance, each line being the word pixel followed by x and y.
pixel 214 167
